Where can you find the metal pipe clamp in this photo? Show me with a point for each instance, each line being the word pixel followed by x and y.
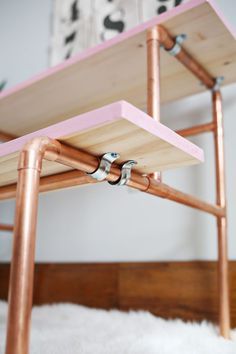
pixel 125 173
pixel 177 46
pixel 104 167
pixel 218 82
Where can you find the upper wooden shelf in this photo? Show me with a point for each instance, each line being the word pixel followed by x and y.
pixel 116 70
pixel 118 127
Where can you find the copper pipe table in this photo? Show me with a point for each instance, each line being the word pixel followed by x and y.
pixel 145 75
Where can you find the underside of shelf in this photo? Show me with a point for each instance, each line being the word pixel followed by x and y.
pixel 118 127
pixel 116 70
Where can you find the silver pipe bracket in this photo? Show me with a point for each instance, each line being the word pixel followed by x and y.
pixel 218 82
pixel 177 46
pixel 125 173
pixel 103 170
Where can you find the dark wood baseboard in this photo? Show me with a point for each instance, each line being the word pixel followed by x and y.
pixel 169 289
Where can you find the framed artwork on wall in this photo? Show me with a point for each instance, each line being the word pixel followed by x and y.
pixel 80 24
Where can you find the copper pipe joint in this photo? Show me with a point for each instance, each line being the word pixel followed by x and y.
pixel 164 191
pixel 85 162
pixel 33 152
pixel 154 33
pixel 77 159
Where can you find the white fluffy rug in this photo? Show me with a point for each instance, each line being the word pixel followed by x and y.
pixel 72 329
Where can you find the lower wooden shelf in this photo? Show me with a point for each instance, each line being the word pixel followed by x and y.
pixel 118 127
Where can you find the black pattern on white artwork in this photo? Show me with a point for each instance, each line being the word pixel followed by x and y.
pixel 79 24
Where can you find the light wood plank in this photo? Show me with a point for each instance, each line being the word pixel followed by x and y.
pixel 117 70
pixel 119 127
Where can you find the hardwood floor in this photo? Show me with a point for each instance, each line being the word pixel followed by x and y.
pixel 169 289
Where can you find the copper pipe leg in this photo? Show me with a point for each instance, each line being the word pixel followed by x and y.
pixel 224 308
pixel 22 265
pixel 153 79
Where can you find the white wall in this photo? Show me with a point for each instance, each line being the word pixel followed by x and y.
pixel 104 223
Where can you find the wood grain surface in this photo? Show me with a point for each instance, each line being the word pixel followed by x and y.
pixel 116 70
pixel 169 289
pixel 119 127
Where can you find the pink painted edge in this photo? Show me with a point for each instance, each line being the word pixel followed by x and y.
pixel 108 113
pixel 123 36
pixel 144 121
pixel 67 127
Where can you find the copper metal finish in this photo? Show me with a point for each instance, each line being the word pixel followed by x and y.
pixel 221 221
pixel 198 129
pixel 22 265
pixel 65 180
pixel 185 58
pixel 153 78
pixel 53 182
pixel 21 281
pixel 153 73
pixel 6 227
pixel 216 127
pixel 145 184
pixel 30 163
pixel 88 163
pixel 77 159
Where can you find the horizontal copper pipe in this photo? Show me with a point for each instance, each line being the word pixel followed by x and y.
pixel 8 192
pixel 51 183
pixel 198 129
pixel 153 80
pixel 6 227
pixel 164 191
pixel 186 59
pixel 65 180
pixel 86 162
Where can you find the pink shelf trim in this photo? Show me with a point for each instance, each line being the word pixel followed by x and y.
pixel 97 117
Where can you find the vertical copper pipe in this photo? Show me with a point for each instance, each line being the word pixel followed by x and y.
pixel 224 310
pixel 22 265
pixel 22 268
pixel 153 78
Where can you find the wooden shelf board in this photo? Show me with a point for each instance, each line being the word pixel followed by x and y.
pixel 116 70
pixel 118 127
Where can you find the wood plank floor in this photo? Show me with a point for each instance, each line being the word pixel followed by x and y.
pixel 169 289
